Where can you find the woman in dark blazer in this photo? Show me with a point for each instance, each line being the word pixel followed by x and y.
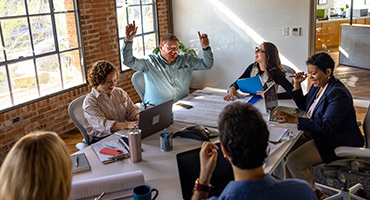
pixel 330 121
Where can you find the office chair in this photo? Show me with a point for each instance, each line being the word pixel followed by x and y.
pixel 139 83
pixel 76 114
pixel 354 165
pixel 289 72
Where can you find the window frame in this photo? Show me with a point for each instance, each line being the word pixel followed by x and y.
pixel 140 35
pixel 34 57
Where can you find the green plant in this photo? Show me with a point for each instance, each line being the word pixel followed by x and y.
pixel 342 9
pixel 347 6
pixel 182 49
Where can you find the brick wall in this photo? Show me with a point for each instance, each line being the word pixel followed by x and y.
pixel 99 33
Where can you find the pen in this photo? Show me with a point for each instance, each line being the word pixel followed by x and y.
pixel 164 133
pixel 123 143
pixel 100 196
pixel 77 160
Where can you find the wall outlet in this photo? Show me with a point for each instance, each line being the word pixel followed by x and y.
pixel 285 31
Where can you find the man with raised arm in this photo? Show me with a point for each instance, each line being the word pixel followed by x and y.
pixel 168 74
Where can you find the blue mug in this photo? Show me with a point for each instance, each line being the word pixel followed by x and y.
pixel 144 192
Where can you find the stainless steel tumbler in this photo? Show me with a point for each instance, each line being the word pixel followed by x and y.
pixel 134 139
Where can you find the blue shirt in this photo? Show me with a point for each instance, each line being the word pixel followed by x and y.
pixel 268 188
pixel 163 81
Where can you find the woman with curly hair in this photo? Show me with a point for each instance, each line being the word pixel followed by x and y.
pixel 107 108
pixel 267 65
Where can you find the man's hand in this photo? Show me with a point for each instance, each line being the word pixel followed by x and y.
pixel 203 40
pixel 208 158
pixel 130 32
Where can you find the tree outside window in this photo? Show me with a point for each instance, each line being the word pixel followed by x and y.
pixel 41 53
pixel 144 12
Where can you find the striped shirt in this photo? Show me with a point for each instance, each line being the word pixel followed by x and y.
pixel 101 111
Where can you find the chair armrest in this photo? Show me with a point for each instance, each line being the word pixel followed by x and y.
pixel 352 151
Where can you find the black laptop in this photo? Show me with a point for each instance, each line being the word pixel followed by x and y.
pixel 154 119
pixel 188 165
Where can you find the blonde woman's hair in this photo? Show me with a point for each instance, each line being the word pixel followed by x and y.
pixel 39 166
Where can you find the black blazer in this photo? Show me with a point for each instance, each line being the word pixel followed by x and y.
pixel 333 121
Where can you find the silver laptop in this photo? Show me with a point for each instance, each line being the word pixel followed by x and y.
pixel 154 119
pixel 271 103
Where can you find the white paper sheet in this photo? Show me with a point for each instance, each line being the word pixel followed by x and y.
pixel 114 186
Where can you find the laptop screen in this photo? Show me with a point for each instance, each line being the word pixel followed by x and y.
pixel 271 100
pixel 189 166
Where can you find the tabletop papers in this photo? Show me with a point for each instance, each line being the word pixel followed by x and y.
pixel 114 186
pixel 206 104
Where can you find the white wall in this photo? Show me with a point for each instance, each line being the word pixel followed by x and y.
pixel 235 28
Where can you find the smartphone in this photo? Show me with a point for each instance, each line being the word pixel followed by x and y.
pixel 186 106
pixel 110 151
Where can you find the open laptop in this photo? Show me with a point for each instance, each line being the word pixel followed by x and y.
pixel 188 165
pixel 154 119
pixel 271 103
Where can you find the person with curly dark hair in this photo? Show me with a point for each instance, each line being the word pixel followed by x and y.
pixel 244 136
pixel 107 108
pixel 330 121
pixel 267 65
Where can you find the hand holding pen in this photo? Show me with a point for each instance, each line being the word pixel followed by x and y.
pixel 298 78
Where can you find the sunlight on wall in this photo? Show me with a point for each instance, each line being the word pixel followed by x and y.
pixel 246 30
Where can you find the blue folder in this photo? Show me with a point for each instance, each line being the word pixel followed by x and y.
pixel 250 85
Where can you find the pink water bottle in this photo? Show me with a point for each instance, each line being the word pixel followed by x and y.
pixel 134 140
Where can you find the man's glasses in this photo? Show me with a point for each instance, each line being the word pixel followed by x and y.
pixel 257 50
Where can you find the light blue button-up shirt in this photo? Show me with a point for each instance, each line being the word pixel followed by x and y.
pixel 163 81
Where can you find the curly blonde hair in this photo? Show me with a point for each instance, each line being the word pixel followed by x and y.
pixel 99 72
pixel 39 166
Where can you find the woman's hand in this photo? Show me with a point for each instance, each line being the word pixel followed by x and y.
pixel 124 125
pixel 298 78
pixel 232 93
pixel 261 93
pixel 285 117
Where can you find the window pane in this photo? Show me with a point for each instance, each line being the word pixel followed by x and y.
pixel 48 72
pixel 12 8
pixel 71 69
pixel 42 34
pixel 138 47
pixel 63 5
pixel 22 75
pixel 129 2
pixel 147 1
pixel 37 6
pixel 148 18
pixel 66 30
pixel 150 43
pixel 134 14
pixel 122 21
pixel 5 100
pixel 17 38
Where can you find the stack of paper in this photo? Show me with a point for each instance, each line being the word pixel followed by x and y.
pixel 115 186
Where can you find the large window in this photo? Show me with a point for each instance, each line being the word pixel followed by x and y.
pixel 144 12
pixel 41 50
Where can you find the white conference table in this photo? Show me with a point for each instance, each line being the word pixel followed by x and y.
pixel 160 168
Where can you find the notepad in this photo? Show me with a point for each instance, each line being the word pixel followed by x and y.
pixel 114 144
pixel 83 163
pixel 250 85
pixel 276 133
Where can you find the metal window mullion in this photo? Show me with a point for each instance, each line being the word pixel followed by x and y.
pixel 156 22
pixel 9 85
pixel 142 25
pixel 81 49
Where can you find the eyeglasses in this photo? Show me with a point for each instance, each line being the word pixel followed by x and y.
pixel 257 50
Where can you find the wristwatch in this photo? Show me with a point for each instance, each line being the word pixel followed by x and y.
pixel 202 188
